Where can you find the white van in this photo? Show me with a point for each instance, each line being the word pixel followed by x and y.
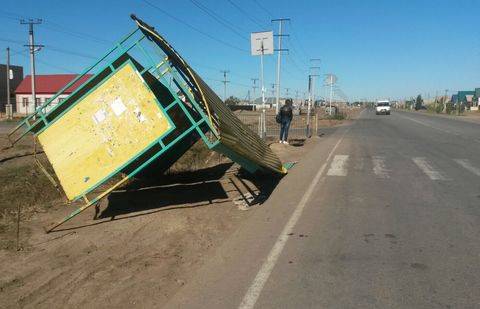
pixel 382 107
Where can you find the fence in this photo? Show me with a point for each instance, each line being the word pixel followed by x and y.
pixel 3 107
pixel 298 126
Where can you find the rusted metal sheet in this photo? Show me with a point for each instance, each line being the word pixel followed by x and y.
pixel 140 110
pixel 236 139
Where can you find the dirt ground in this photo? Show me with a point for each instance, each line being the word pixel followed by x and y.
pixel 146 239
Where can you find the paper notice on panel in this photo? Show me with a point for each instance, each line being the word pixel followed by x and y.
pixel 99 116
pixel 118 107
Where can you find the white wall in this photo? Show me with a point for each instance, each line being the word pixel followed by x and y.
pixel 22 109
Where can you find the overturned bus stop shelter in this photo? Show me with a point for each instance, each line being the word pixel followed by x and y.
pixel 142 108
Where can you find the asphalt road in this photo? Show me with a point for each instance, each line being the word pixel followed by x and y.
pixel 382 214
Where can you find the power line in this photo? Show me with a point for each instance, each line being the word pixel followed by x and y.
pixel 12 41
pixel 52 26
pixel 249 16
pixel 240 84
pixel 45 63
pixel 11 15
pixel 294 52
pixel 18 52
pixel 200 65
pixel 263 8
pixel 221 81
pixel 295 37
pixel 296 66
pixel 194 28
pixel 219 19
pixel 50 47
pixel 69 52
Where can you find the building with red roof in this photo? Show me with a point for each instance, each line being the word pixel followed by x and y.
pixel 46 86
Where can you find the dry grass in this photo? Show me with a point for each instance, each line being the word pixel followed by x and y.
pixel 24 186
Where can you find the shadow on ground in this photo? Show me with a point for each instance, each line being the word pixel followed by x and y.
pixel 185 190
pixel 259 186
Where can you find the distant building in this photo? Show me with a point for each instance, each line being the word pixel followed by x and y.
pixel 46 86
pixel 17 72
pixel 454 99
pixel 269 102
pixel 476 98
pixel 465 97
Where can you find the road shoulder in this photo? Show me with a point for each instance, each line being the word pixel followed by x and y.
pixel 225 277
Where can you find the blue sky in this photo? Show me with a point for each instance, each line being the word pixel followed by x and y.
pixel 378 49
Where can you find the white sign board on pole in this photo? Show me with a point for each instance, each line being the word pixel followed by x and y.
pixel 330 79
pixel 10 74
pixel 261 41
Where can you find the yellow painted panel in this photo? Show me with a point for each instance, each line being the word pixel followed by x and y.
pixel 106 129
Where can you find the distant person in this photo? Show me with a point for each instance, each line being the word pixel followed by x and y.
pixel 286 115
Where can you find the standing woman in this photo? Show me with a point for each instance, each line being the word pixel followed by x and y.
pixel 286 116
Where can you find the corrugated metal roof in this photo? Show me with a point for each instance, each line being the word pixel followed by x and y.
pixel 232 133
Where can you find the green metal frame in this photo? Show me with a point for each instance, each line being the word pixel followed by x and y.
pixel 158 65
pixel 157 69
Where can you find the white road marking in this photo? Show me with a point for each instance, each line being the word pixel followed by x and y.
pixel 423 164
pixel 429 126
pixel 379 167
pixel 338 166
pixel 467 165
pixel 263 274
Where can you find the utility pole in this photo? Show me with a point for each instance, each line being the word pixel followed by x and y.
pixel 331 80
pixel 272 90
pixel 314 72
pixel 311 89
pixel 33 48
pixel 225 82
pixel 279 49
pixel 254 87
pixel 445 100
pixel 8 107
pixel 310 77
pixel 286 92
